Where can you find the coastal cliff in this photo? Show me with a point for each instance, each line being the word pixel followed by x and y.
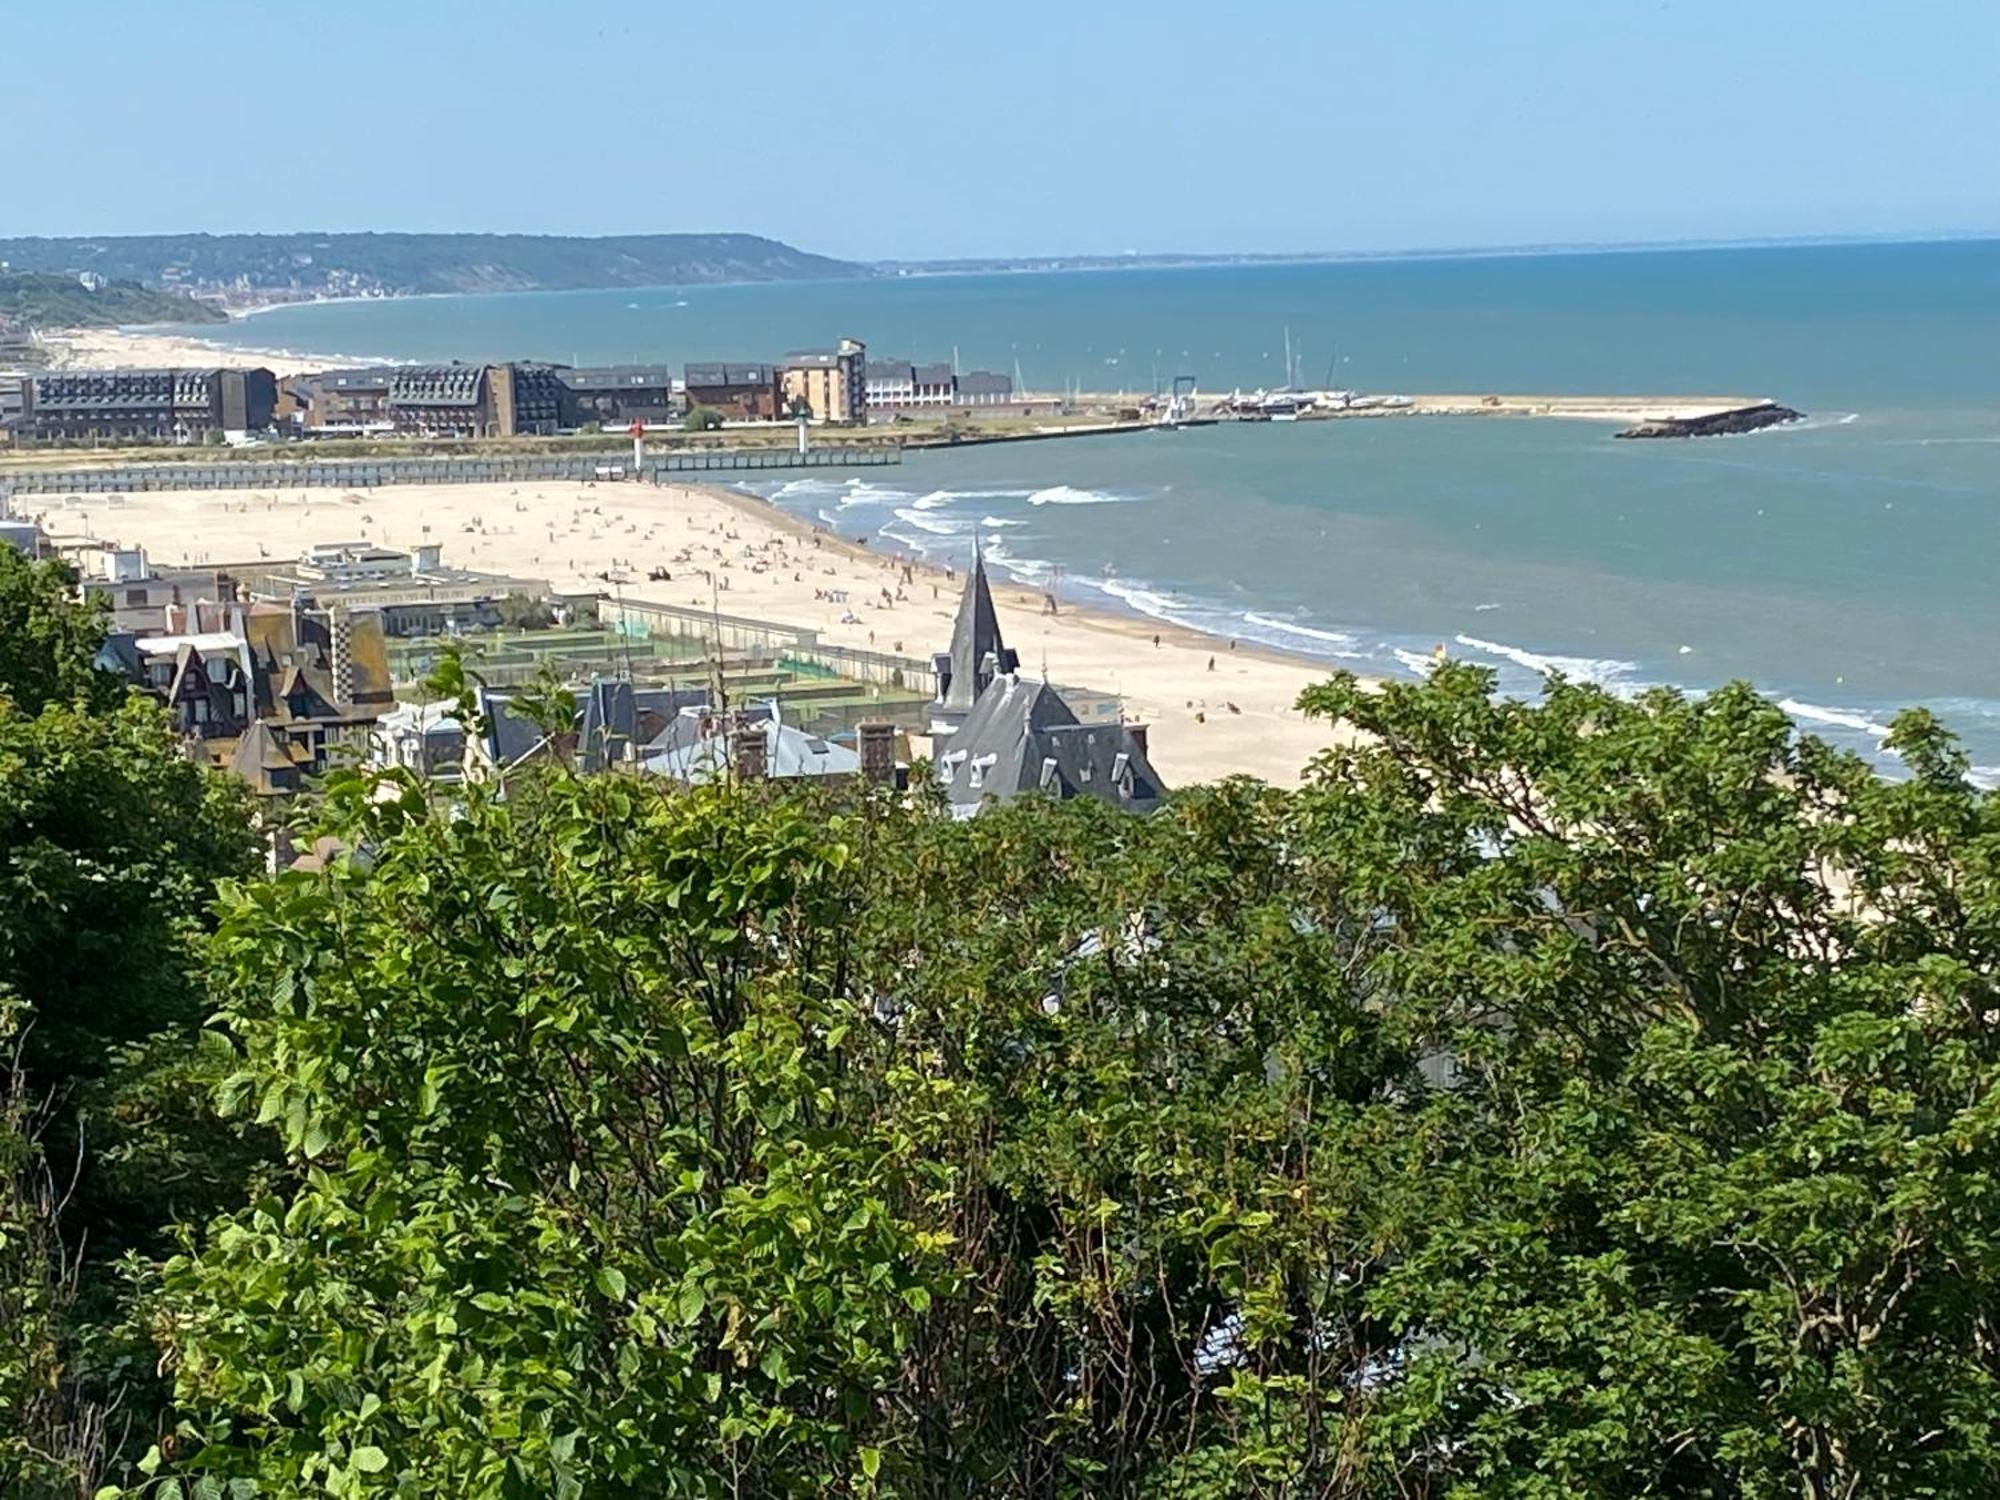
pixel 249 270
pixel 1715 424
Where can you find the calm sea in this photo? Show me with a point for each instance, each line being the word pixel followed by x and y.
pixel 1846 566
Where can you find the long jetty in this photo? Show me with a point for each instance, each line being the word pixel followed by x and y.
pixel 372 473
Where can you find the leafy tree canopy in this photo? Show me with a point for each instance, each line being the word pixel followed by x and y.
pixel 1587 1097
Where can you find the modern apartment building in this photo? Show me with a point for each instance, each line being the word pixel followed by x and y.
pixel 831 384
pixel 169 406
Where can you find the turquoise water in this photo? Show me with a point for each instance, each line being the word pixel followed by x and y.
pixel 1846 565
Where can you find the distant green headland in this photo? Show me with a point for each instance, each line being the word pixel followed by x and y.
pixel 253 269
pixel 38 299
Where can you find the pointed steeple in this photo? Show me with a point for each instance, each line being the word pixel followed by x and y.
pixel 977 652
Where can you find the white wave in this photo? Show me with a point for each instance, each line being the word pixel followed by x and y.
pixel 798 489
pixel 1816 423
pixel 994 523
pixel 1147 601
pixel 861 492
pixel 1416 661
pixel 935 525
pixel 1330 637
pixel 937 499
pixel 1839 718
pixel 1030 570
pixel 1063 494
pixel 1604 671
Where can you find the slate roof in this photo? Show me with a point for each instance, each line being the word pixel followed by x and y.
pixel 937 374
pixel 437 385
pixel 120 653
pixel 985 383
pixel 262 760
pixel 615 715
pixel 975 635
pixel 376 379
pixel 509 738
pixel 711 376
pixel 619 378
pixel 1021 737
pixel 788 752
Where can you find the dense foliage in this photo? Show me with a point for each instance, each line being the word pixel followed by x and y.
pixel 1584 1098
pixel 111 841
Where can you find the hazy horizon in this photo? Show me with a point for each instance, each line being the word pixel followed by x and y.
pixel 903 133
pixel 1335 253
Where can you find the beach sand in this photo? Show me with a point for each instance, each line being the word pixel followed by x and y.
pixel 1215 711
pixel 143 349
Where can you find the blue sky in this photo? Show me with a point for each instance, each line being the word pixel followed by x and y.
pixel 1011 126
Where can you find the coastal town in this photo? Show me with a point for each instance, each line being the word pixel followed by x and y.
pixel 195 406
pixel 276 667
pixel 689 619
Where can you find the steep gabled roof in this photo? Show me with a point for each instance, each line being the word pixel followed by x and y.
pixel 975 635
pixel 262 759
pixel 1021 737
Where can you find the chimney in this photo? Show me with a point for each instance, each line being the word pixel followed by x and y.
pixel 340 654
pixel 877 744
pixel 1138 733
pixel 746 752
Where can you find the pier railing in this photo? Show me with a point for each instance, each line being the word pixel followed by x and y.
pixel 369 473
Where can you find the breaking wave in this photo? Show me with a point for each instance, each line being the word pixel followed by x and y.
pixel 1327 637
pixel 935 525
pixel 1063 494
pixel 1839 718
pixel 1604 671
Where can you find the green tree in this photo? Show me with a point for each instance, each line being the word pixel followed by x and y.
pixel 520 611
pixel 701 419
pixel 110 841
pixel 1696 1194
pixel 582 1199
pixel 1586 1097
pixel 49 642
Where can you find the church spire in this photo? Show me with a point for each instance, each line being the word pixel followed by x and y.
pixel 977 651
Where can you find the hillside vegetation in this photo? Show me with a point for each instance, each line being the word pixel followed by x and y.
pixel 30 299
pixel 1592 1097
pixel 277 266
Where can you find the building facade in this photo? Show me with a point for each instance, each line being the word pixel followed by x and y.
pixel 741 392
pixel 984 388
pixel 619 395
pixel 166 406
pixel 443 401
pixel 830 384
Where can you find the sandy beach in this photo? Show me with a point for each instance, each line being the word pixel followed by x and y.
pixel 1215 711
pixel 144 349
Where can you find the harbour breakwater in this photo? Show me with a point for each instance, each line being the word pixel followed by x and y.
pixel 1751 418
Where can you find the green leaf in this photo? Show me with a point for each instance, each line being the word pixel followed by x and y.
pixel 370 1460
pixel 611 1282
